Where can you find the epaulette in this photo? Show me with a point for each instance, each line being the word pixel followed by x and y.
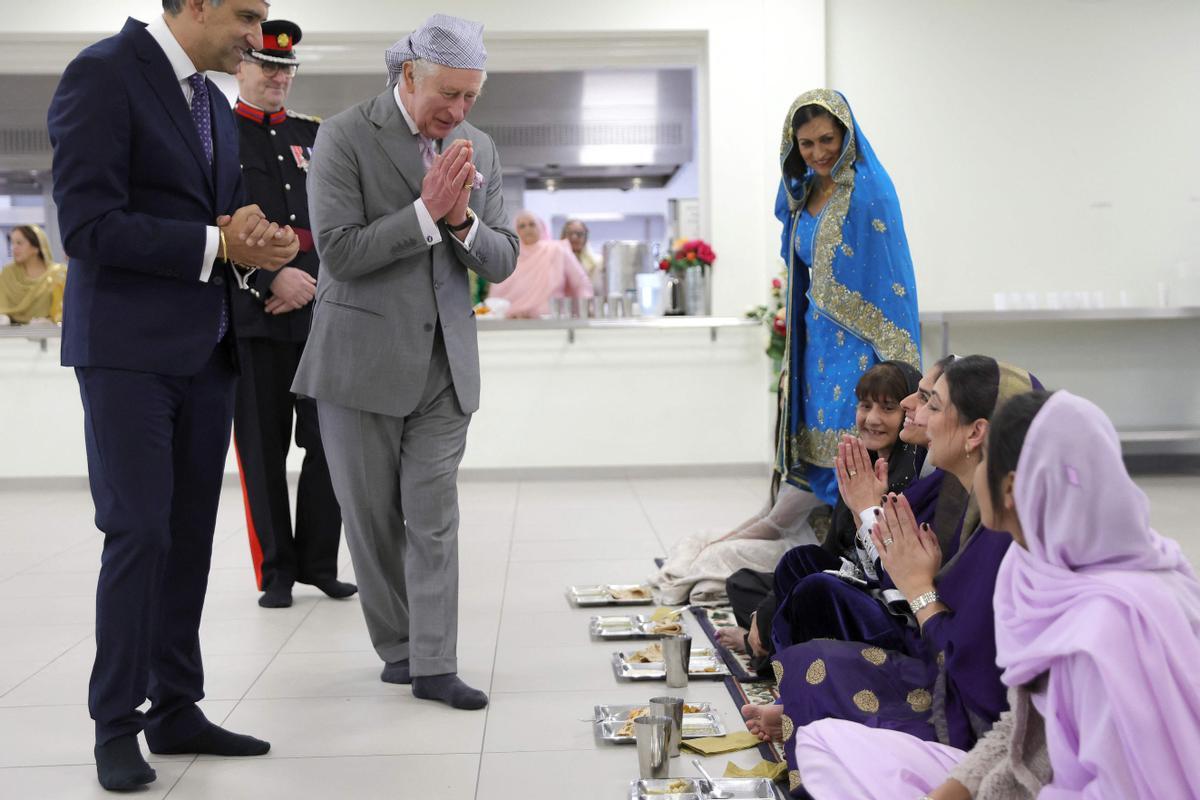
pixel 306 117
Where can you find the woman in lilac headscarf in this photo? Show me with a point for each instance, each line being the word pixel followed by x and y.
pixel 1097 631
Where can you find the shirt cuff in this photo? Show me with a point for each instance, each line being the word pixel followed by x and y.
pixel 469 239
pixel 866 521
pixel 211 243
pixel 429 228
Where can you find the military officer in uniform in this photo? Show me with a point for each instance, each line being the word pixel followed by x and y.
pixel 271 316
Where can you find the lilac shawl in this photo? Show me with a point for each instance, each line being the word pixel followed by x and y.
pixel 1109 608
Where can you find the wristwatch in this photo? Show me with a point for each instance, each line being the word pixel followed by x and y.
pixel 466 223
pixel 921 601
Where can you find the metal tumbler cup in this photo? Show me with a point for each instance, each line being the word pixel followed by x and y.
pixel 672 709
pixel 677 653
pixel 653 735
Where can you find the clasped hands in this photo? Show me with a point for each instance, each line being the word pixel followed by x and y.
pixel 254 241
pixel 910 553
pixel 860 483
pixel 446 189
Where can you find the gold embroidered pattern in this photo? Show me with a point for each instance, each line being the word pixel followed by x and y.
pixel 821 416
pixel 878 225
pixel 815 446
pixel 778 669
pixel 862 361
pixel 837 392
pixel 849 308
pixel 920 700
pixel 899 289
pixel 821 365
pixel 794 781
pixel 788 727
pixel 841 338
pixel 867 701
pixel 816 672
pixel 875 655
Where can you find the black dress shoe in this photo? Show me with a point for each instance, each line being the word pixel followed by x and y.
pixel 338 590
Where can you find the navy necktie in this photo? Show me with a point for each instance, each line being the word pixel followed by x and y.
pixel 201 113
pixel 202 117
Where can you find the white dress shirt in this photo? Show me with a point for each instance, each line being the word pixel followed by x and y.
pixel 429 228
pixel 182 64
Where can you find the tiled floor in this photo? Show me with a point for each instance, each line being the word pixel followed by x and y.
pixel 306 678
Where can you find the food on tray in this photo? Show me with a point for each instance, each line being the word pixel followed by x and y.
pixel 665 628
pixel 651 654
pixel 634 593
pixel 677 786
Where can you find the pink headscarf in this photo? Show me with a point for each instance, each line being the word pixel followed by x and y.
pixel 1109 608
pixel 545 269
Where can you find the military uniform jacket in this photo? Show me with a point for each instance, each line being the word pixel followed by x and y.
pixel 275 151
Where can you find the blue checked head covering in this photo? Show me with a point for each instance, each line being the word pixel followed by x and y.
pixel 442 39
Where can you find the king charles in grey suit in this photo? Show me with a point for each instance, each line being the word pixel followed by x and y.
pixel 405 197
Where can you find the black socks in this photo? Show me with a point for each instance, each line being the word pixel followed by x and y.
pixel 120 766
pixel 396 672
pixel 276 597
pixel 450 690
pixel 214 740
pixel 338 590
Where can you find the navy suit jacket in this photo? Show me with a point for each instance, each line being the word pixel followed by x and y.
pixel 135 192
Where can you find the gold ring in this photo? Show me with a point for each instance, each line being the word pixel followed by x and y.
pixel 469 185
pixel 888 542
pixel 853 473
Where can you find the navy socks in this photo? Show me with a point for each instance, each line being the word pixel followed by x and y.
pixel 449 690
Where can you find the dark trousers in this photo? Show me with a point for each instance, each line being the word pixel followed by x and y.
pixel 263 434
pixel 156 447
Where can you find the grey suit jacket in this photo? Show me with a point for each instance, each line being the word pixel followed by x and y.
pixel 382 288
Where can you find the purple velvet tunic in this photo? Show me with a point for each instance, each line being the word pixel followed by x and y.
pixel 944 685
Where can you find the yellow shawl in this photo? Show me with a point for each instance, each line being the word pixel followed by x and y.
pixel 23 298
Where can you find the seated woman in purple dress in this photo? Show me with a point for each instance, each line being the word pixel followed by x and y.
pixel 1097 631
pixel 942 684
pixel 879 417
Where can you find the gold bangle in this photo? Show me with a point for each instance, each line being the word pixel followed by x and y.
pixel 224 246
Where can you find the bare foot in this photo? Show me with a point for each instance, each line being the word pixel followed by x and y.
pixel 765 722
pixel 732 638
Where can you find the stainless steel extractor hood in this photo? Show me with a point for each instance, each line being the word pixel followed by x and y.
pixel 576 129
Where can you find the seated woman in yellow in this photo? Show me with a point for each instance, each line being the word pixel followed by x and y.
pixel 31 286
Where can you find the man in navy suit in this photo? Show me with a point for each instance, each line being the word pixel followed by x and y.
pixel 148 186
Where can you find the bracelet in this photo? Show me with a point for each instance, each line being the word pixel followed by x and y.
pixel 920 602
pixel 224 246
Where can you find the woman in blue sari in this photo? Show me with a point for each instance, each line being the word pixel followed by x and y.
pixel 852 297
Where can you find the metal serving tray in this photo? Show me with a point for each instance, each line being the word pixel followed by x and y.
pixel 638 626
pixel 704 664
pixel 610 719
pixel 738 789
pixel 602 595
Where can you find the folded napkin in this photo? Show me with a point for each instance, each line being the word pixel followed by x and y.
pixel 714 745
pixel 763 769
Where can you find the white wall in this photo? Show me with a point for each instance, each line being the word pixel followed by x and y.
pixel 1037 145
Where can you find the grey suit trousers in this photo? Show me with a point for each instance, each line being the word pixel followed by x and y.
pixel 396 479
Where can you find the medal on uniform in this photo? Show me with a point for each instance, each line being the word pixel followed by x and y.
pixel 298 153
